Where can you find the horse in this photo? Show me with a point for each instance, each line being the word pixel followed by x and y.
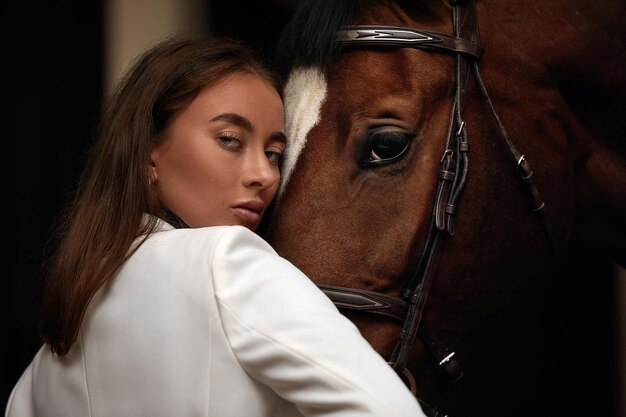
pixel 444 157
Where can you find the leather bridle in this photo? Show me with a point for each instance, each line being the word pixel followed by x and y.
pixel 408 309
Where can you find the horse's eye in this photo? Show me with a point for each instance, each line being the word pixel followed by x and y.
pixel 386 147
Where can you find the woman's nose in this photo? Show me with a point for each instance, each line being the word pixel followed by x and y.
pixel 260 172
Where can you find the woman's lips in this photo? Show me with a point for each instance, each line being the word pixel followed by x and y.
pixel 250 212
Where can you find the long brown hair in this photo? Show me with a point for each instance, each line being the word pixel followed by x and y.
pixel 106 216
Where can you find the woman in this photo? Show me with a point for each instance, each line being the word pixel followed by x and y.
pixel 161 300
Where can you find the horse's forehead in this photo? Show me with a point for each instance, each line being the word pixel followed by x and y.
pixel 304 95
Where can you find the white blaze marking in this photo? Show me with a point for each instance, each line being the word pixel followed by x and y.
pixel 305 92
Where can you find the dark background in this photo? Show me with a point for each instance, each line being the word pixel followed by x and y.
pixel 55 80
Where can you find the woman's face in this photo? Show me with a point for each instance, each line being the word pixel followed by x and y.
pixel 218 162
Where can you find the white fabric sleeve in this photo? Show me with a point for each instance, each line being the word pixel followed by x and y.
pixel 288 335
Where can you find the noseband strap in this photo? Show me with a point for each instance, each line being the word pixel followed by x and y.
pixel 394 308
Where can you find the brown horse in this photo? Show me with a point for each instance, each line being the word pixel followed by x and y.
pixel 444 158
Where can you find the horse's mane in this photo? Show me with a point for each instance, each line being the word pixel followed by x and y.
pixel 308 38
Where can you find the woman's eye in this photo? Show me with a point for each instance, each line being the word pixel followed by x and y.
pixel 387 146
pixel 274 156
pixel 229 141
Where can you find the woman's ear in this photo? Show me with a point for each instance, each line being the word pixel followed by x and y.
pixel 152 173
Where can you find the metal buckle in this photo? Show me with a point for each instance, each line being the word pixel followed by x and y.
pixel 446 359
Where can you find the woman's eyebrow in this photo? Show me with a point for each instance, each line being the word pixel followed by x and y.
pixel 280 137
pixel 234 118
pixel 244 123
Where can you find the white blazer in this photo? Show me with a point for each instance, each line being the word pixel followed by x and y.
pixel 211 322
